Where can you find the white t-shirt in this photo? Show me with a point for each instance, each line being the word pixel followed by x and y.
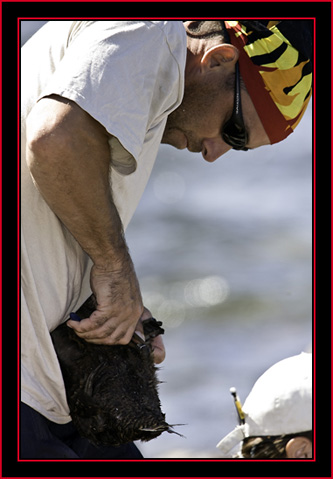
pixel 128 76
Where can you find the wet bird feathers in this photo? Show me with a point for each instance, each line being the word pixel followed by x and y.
pixel 111 390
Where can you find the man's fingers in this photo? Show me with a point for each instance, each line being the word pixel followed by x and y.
pixel 107 333
pixel 158 350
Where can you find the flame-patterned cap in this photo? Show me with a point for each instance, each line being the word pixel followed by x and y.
pixel 275 64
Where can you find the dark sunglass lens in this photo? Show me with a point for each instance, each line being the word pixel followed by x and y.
pixel 235 136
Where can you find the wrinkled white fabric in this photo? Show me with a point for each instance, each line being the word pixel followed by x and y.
pixel 128 76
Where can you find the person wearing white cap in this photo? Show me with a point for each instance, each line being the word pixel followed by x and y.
pixel 276 418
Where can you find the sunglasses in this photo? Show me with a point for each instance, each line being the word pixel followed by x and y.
pixel 233 131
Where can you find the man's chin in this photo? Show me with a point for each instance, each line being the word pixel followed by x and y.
pixel 175 138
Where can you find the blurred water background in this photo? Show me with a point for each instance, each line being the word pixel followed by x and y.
pixel 223 253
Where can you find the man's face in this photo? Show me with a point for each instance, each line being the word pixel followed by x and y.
pixel 197 123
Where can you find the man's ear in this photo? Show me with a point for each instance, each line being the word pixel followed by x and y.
pixel 299 447
pixel 218 55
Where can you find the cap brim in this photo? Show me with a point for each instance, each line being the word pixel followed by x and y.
pixel 231 440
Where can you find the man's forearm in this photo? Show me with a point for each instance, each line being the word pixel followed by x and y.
pixel 68 156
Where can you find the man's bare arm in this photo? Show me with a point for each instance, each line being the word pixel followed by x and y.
pixel 69 159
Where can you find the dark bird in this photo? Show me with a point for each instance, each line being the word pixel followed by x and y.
pixel 111 390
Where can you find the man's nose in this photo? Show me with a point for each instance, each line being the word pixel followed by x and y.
pixel 213 148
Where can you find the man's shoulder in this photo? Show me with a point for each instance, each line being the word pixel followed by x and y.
pixel 170 28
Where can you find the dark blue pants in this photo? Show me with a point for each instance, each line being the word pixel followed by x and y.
pixel 43 439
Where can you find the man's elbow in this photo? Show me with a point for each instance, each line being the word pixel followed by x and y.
pixel 44 142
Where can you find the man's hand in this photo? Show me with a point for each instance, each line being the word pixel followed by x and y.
pixel 103 331
pixel 119 307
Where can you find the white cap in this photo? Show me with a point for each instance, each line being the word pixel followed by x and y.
pixel 280 402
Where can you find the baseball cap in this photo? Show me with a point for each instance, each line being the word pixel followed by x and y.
pixel 280 402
